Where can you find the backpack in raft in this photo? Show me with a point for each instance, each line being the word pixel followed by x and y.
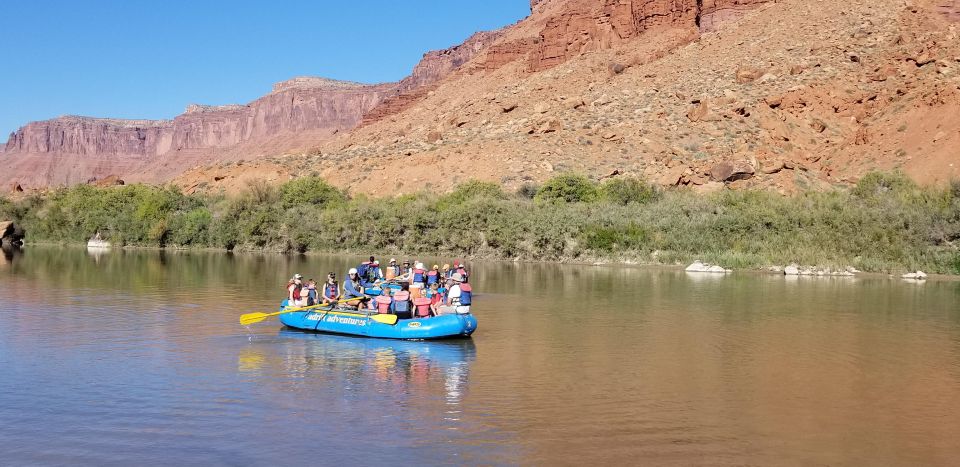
pixel 401 302
pixel 466 294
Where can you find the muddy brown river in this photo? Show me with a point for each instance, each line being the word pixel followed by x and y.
pixel 137 358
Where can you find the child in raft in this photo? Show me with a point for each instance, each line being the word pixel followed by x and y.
pixel 436 298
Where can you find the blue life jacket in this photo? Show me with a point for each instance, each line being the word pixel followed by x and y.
pixel 362 271
pixel 418 275
pixel 401 302
pixel 331 290
pixel 466 294
pixel 432 277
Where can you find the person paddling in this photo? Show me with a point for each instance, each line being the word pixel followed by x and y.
pixel 353 289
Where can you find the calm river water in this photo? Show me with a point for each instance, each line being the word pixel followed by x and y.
pixel 136 358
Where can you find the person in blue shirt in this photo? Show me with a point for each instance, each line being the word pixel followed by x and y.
pixel 353 289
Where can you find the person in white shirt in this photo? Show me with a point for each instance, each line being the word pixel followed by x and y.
pixel 456 294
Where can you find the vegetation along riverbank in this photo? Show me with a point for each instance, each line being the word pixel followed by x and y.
pixel 884 223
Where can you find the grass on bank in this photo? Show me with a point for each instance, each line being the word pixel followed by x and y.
pixel 885 223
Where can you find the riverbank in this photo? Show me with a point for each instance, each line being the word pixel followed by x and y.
pixel 885 224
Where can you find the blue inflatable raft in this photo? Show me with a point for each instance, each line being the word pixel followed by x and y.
pixel 361 323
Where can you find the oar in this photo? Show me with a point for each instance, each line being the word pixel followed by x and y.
pixel 251 318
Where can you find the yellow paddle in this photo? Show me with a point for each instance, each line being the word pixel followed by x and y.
pixel 251 318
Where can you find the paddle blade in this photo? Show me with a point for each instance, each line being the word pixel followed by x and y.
pixel 385 319
pixel 251 318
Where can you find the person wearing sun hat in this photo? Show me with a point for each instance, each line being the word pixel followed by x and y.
pixel 294 286
pixel 392 270
pixel 433 275
pixel 460 294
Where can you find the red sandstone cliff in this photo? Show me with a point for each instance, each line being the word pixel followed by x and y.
pixel 307 110
pixel 44 153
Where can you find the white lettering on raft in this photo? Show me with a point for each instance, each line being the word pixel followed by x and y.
pixel 346 320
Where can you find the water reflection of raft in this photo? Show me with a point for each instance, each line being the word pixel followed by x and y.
pixel 361 324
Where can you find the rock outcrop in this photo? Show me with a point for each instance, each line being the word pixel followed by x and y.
pixel 11 234
pixel 433 67
pixel 582 26
pixel 110 146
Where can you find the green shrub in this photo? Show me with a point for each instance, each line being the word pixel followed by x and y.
pixel 875 184
pixel 309 190
pixel 527 190
pixel 616 238
pixel 884 223
pixel 568 188
pixel 626 190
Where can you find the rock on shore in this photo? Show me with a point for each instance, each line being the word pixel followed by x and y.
pixel 700 266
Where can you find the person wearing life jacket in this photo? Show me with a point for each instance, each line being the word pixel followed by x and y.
pixel 331 289
pixel 402 307
pixel 460 268
pixel 421 307
pixel 446 272
pixel 362 273
pixel 433 276
pixel 293 290
pixel 311 292
pixel 374 273
pixel 392 270
pixel 418 276
pixel 405 270
pixel 460 294
pixel 383 301
pixel 352 289
pixel 436 298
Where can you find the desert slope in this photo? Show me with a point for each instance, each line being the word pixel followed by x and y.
pixel 792 95
pixel 781 95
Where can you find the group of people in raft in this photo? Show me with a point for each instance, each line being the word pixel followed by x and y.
pixel 408 292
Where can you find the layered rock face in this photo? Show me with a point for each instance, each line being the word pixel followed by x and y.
pixel 433 67
pixel 301 104
pixel 584 25
pixel 437 64
pixel 305 111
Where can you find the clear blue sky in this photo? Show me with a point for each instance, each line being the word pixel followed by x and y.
pixel 139 59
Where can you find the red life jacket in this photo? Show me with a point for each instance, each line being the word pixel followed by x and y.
pixel 383 304
pixel 423 307
pixel 296 290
